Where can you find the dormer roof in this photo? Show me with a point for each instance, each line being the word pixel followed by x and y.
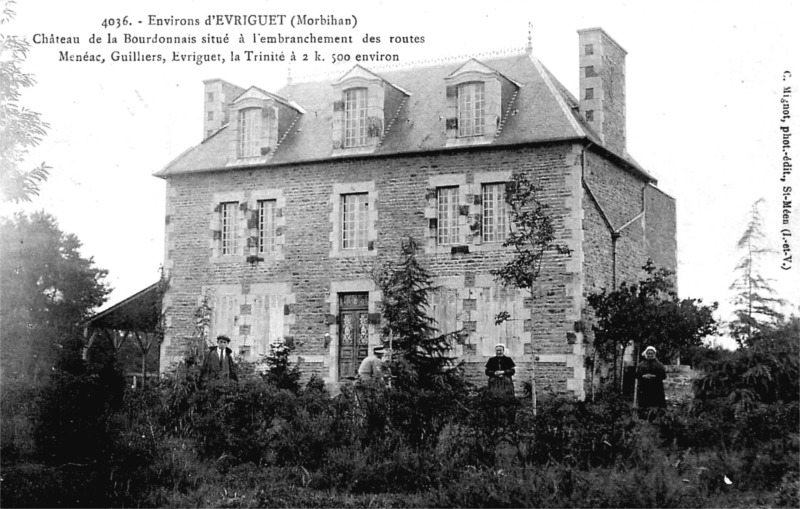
pixel 542 111
pixel 261 94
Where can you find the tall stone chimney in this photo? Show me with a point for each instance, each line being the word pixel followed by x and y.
pixel 216 102
pixel 602 86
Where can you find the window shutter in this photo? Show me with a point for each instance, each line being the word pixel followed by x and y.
pixel 451 91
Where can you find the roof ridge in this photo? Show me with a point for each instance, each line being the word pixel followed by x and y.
pixel 416 64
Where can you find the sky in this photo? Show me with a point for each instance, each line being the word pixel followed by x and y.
pixel 704 81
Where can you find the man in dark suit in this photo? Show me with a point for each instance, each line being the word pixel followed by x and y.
pixel 219 361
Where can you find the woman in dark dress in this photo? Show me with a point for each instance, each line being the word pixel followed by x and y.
pixel 651 375
pixel 500 369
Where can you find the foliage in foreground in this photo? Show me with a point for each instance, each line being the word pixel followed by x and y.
pixel 190 443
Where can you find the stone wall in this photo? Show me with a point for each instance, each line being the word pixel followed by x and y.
pixel 302 280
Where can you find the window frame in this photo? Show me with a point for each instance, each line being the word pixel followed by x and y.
pixel 229 227
pixel 355 116
pixel 471 107
pixel 249 132
pixel 494 213
pixel 447 216
pixel 354 224
pixel 267 226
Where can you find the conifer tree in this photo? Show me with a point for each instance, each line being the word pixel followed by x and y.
pixel 755 300
pixel 406 287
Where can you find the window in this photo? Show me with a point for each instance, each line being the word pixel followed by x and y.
pixel 354 220
pixel 249 129
pixel 211 115
pixel 447 215
pixel 590 115
pixel 494 212
pixel 355 117
pixel 589 94
pixel 470 109
pixel 266 226
pixel 228 222
pixel 210 97
pixel 588 49
pixel 589 71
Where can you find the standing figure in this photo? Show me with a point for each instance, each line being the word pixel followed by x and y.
pixel 650 375
pixel 500 369
pixel 219 361
pixel 370 372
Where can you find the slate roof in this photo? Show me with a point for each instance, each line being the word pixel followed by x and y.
pixel 543 111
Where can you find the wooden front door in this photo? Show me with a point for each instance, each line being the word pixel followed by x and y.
pixel 353 332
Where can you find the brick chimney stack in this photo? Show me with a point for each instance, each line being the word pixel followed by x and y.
pixel 216 103
pixel 602 86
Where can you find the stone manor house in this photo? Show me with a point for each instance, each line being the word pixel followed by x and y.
pixel 276 217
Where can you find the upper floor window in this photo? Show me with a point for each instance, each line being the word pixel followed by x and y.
pixel 471 109
pixel 266 226
pixel 588 49
pixel 447 215
pixel 355 117
pixel 228 222
pixel 249 129
pixel 355 208
pixel 494 212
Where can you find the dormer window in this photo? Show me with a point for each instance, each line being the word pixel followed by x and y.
pixel 471 109
pixel 249 132
pixel 355 117
pixel 477 97
pixel 364 103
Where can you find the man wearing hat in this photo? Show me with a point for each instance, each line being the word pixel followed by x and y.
pixel 219 361
pixel 371 369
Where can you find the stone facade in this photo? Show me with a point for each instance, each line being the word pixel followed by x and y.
pixel 311 282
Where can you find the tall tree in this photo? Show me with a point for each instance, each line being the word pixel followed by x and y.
pixel 755 300
pixel 650 313
pixel 48 288
pixel 532 235
pixel 20 128
pixel 406 286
